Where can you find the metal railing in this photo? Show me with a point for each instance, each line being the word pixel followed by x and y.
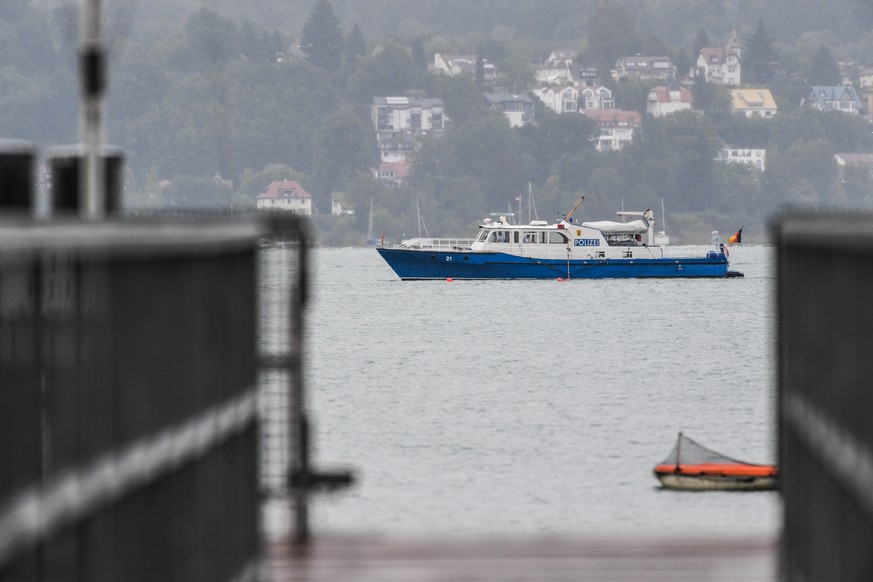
pixel 128 399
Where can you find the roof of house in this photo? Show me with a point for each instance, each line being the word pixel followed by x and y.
pixel 640 62
pixel 405 102
pixel 665 94
pixel 752 99
pixel 401 169
pixel 824 94
pixel 614 117
pixel 716 55
pixel 283 189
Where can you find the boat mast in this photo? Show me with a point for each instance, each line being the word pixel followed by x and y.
pixel 370 224
pixel 663 218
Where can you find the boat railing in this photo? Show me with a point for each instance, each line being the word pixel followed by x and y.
pixel 437 244
pixel 612 252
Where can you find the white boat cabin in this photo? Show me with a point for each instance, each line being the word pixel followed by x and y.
pixel 595 240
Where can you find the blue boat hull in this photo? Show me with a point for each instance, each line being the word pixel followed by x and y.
pixel 415 264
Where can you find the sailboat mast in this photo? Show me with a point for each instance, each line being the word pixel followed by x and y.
pixel 663 218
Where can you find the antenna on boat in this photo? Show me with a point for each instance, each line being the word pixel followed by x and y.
pixel 567 218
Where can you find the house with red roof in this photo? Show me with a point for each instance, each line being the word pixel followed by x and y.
pixel 721 65
pixel 667 99
pixel 285 195
pixel 615 127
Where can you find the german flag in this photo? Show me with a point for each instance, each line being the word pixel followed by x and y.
pixel 737 237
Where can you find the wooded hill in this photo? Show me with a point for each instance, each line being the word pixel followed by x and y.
pixel 198 93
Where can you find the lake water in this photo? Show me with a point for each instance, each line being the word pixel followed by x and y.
pixel 537 407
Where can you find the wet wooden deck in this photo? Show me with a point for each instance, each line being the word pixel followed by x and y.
pixel 378 559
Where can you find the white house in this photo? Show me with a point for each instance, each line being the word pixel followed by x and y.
pixel 754 157
pixel 667 99
pixel 558 98
pixel 595 97
pixel 452 65
pixel 839 98
pixel 285 195
pixel 722 65
pixel 615 127
pixel 557 69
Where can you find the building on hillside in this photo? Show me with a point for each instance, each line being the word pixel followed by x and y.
pixel 557 69
pixel 642 68
pixel 558 98
pixel 412 114
pixel 518 108
pixel 615 127
pixel 587 75
pixel 400 123
pixel 667 99
pixel 285 195
pixel 865 81
pixel 595 97
pixel 864 160
pixel 452 65
pixel 753 102
pixel 836 98
pixel 575 97
pixel 392 174
pixel 754 157
pixel 721 65
pixel 849 71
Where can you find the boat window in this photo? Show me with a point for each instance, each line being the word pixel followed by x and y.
pixel 515 236
pixel 482 236
pixel 541 236
pixel 499 236
pixel 529 237
pixel 557 238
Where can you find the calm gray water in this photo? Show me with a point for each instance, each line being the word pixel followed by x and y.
pixel 537 407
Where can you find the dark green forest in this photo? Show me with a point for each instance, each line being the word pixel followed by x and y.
pixel 253 91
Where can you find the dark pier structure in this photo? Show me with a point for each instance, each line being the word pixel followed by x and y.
pixel 825 395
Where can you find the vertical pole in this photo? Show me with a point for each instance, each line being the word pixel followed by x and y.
pixel 93 65
pixel 299 422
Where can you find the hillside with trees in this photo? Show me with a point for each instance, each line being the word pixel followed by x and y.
pixel 253 91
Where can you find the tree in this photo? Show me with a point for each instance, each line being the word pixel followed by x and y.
pixel 355 46
pixel 461 97
pixel 824 70
pixel 611 34
pixel 390 72
pixel 556 135
pixel 322 41
pixel 701 41
pixel 760 58
pixel 341 149
pixel 480 71
pixel 418 54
